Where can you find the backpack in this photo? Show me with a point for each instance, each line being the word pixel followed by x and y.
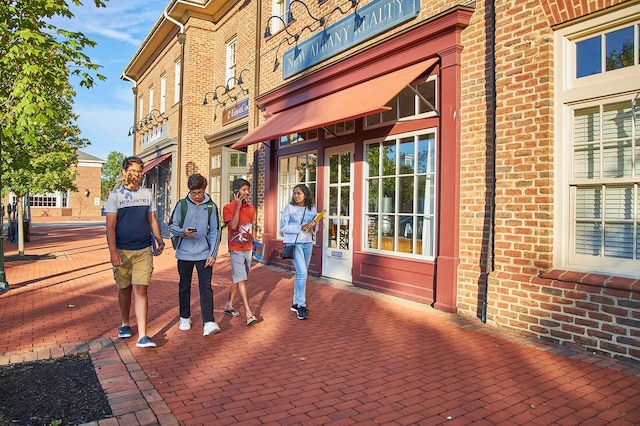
pixel 175 239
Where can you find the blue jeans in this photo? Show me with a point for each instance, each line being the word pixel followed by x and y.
pixel 301 262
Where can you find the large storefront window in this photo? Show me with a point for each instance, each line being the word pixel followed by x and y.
pixel 293 170
pixel 400 194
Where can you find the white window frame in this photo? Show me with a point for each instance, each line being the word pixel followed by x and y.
pixel 150 98
pixel 140 108
pixel 176 85
pixel 163 93
pixel 286 182
pixel 576 93
pixel 429 214
pixel 279 8
pixel 386 118
pixel 232 45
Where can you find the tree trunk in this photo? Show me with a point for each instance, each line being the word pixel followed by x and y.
pixel 19 218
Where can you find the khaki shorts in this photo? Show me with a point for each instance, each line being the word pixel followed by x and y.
pixel 137 266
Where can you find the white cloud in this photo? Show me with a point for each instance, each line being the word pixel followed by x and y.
pixel 106 127
pixel 121 20
pixel 106 110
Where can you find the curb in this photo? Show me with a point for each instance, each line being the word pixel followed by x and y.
pixel 132 397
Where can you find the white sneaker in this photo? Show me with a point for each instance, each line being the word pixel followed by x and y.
pixel 211 328
pixel 185 324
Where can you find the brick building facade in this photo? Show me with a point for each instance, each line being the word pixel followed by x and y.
pixel 80 204
pixel 480 157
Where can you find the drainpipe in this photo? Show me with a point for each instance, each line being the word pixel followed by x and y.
pixel 256 92
pixel 182 37
pixel 256 76
pixel 126 77
pixel 134 89
pixel 491 159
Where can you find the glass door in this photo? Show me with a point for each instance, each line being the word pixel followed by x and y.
pixel 338 235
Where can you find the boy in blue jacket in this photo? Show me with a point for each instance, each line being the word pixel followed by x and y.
pixel 197 246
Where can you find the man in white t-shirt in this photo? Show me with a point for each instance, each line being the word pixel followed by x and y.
pixel 133 237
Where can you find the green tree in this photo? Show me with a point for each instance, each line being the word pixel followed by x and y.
pixel 622 59
pixel 38 137
pixel 111 172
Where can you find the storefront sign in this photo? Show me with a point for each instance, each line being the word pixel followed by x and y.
pixel 363 24
pixel 239 110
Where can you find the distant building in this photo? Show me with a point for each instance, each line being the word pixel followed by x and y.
pixel 80 204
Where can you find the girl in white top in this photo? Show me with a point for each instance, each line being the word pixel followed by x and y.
pixel 298 227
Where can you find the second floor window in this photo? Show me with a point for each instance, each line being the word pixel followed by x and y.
pixel 140 108
pixel 279 8
pixel 176 86
pixel 150 98
pixel 163 93
pixel 231 62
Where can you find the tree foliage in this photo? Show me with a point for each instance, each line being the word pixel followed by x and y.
pixel 39 139
pixel 622 59
pixel 111 172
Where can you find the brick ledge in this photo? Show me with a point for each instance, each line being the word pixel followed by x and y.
pixel 596 280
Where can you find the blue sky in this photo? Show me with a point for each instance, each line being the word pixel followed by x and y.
pixel 106 110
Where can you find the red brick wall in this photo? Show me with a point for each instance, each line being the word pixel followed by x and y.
pixel 81 205
pixel 560 306
pixel 560 11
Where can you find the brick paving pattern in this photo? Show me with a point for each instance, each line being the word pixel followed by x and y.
pixel 360 358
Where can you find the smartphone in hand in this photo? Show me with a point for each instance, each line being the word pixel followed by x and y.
pixel 236 193
pixel 190 229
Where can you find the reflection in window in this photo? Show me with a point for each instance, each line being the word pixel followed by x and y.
pixel 400 193
pixel 408 104
pixel 333 130
pixel 615 49
pixel 301 137
pixel 238 159
pixel 338 212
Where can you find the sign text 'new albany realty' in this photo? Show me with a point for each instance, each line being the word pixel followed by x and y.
pixel 363 24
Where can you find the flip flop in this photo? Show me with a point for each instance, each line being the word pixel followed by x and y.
pixel 252 320
pixel 231 313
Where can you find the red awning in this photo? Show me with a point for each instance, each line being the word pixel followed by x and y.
pixel 353 102
pixel 149 165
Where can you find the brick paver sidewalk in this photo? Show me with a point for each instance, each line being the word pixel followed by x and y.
pixel 361 358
